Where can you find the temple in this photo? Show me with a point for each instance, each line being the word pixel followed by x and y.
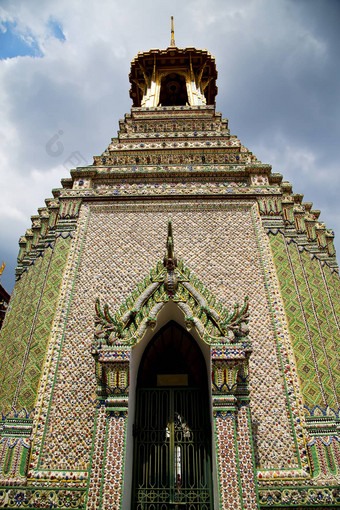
pixel 172 340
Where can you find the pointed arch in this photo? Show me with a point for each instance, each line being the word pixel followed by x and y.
pixel 172 351
pixel 202 311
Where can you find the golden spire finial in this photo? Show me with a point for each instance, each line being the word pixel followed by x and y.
pixel 2 268
pixel 172 42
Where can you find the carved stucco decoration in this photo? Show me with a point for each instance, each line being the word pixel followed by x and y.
pixel 171 280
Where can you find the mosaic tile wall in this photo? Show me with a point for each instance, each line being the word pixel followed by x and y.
pixel 228 463
pixel 26 330
pixel 244 444
pixel 119 248
pixel 105 486
pixel 307 287
pixel 235 460
pixel 51 374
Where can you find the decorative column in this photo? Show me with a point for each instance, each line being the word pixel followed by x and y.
pixel 107 470
pixel 236 467
pixel 15 445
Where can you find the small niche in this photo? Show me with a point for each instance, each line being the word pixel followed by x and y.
pixel 173 90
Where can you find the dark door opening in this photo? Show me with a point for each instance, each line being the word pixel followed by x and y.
pixel 173 90
pixel 172 446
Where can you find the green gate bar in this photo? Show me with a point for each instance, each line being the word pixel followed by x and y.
pixel 172 450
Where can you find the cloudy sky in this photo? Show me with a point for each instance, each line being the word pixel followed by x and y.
pixel 64 78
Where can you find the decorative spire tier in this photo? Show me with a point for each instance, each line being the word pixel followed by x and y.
pixel 173 77
pixel 172 42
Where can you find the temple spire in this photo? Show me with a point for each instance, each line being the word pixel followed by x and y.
pixel 170 263
pixel 170 260
pixel 172 42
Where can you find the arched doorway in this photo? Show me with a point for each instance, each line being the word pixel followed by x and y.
pixel 172 431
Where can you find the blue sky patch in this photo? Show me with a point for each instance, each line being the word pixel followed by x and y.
pixel 14 44
pixel 56 29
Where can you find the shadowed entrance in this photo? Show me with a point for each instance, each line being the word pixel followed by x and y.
pixel 172 445
pixel 173 90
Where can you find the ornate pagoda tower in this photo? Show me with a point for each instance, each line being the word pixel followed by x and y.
pixel 172 340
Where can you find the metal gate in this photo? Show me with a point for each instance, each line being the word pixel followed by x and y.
pixel 172 467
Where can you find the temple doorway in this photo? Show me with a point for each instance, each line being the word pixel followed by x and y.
pixel 172 431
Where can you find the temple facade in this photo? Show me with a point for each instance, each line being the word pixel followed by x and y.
pixel 172 340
